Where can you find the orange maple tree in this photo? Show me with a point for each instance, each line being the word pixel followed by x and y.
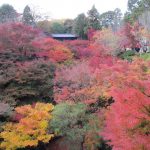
pixel 31 128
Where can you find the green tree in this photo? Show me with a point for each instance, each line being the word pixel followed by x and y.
pixel 107 19
pixel 146 3
pixel 80 26
pixel 68 25
pixel 44 25
pixel 94 19
pixel 73 116
pixel 133 4
pixel 7 13
pixel 76 125
pixel 117 19
pixel 135 9
pixel 57 27
pixel 27 16
pixel 111 19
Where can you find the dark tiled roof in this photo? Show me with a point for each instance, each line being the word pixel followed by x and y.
pixel 63 35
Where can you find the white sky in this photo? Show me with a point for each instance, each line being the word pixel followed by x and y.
pixel 60 9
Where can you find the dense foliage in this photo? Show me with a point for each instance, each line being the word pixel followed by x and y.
pixel 7 13
pixel 28 82
pixel 78 94
pixel 128 121
pixel 30 129
pixel 76 124
pixel 53 50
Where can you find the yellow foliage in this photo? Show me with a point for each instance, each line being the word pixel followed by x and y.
pixel 31 129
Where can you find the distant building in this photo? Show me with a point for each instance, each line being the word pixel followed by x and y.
pixel 62 37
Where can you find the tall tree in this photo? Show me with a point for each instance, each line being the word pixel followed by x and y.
pixel 44 25
pixel 68 25
pixel 27 16
pixel 117 19
pixel 135 9
pixel 7 13
pixel 132 4
pixel 80 26
pixel 94 18
pixel 107 19
pixel 57 27
pixel 146 3
pixel 111 19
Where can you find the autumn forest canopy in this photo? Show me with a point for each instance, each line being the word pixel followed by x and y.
pixel 92 93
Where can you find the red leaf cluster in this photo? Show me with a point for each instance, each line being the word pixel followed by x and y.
pixel 128 121
pixel 130 34
pixel 17 38
pixel 83 49
pixel 53 49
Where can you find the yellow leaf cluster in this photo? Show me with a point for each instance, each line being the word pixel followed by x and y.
pixel 31 129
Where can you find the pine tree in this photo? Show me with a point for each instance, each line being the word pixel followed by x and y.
pixel 94 18
pixel 28 17
pixel 80 26
pixel 7 13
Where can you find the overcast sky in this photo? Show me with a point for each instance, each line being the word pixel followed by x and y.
pixel 61 9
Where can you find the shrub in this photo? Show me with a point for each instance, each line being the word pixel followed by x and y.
pixel 145 56
pixel 27 82
pixel 92 140
pixel 73 122
pixel 16 39
pixel 83 49
pixel 110 40
pixel 71 81
pixel 52 49
pixel 128 120
pixel 76 46
pixel 69 120
pixel 128 55
pixel 31 128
